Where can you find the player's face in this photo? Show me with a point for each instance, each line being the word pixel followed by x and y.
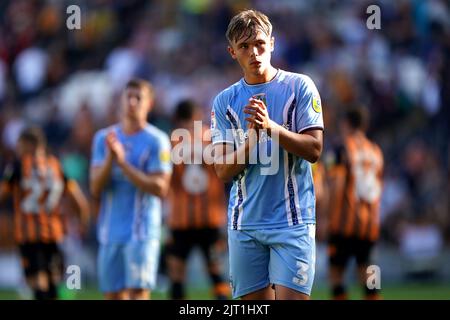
pixel 136 104
pixel 253 53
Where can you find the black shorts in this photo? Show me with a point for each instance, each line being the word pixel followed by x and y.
pixel 41 256
pixel 182 242
pixel 341 249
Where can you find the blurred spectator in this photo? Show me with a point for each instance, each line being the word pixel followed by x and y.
pixel 421 245
pixel 30 69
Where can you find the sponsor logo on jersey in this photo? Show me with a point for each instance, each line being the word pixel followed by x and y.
pixel 316 104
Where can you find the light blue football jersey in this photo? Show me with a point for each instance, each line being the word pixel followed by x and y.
pixel 285 197
pixel 127 213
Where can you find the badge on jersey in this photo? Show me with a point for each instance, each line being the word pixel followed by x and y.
pixel 316 104
pixel 213 120
pixel 164 156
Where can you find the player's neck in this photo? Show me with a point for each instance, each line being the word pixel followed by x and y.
pixel 131 127
pixel 40 153
pixel 266 76
pixel 355 133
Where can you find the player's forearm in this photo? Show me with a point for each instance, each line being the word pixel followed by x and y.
pixel 229 165
pixel 80 200
pixel 100 177
pixel 156 185
pixel 302 145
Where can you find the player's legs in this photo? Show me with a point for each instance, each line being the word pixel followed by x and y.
pixel 263 294
pixel 339 254
pixel 292 260
pixel 177 274
pixel 211 247
pixel 119 295
pixel 41 285
pixel 33 263
pixel 249 265
pixel 178 249
pixel 141 267
pixel 111 271
pixel 362 254
pixel 285 293
pixel 55 268
pixel 139 294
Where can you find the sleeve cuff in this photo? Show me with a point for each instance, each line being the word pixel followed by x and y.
pixel 313 126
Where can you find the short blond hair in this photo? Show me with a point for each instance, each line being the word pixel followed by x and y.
pixel 141 84
pixel 247 23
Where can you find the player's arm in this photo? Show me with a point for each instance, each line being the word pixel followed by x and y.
pixel 154 183
pixel 78 197
pixel 157 180
pixel 99 176
pixel 307 145
pixel 100 171
pixel 228 163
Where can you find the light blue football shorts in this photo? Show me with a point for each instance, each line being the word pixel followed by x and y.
pixel 283 256
pixel 133 265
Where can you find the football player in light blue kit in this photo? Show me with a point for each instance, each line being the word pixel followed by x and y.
pixel 130 173
pixel 271 231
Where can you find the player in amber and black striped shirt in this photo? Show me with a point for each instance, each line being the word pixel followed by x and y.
pixel 37 184
pixel 198 210
pixel 355 186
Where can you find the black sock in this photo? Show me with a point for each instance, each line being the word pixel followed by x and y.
pixel 371 293
pixel 177 291
pixel 52 292
pixel 40 294
pixel 339 291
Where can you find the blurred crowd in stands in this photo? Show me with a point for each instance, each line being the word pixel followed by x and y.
pixel 68 81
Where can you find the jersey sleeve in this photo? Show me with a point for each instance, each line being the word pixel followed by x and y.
pixel 159 160
pixel 98 149
pixel 221 131
pixel 309 108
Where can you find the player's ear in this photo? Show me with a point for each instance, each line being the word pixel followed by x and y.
pixel 272 44
pixel 232 52
pixel 151 103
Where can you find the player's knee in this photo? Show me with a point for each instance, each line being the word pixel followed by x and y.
pixel 266 293
pixel 285 293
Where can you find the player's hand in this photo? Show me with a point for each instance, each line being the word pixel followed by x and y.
pixel 116 147
pixel 258 115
